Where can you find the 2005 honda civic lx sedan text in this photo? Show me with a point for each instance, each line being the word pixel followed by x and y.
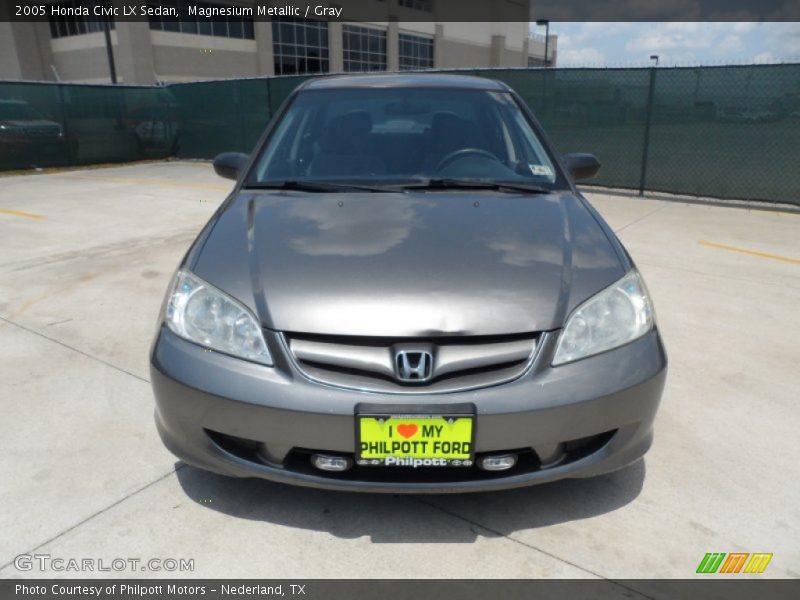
pixel 405 292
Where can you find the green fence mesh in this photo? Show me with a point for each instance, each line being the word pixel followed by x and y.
pixel 43 125
pixel 728 132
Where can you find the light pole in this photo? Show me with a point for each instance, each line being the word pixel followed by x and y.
pixel 651 89
pixel 546 24
pixel 109 50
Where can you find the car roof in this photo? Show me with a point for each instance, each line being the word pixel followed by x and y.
pixel 401 80
pixel 12 101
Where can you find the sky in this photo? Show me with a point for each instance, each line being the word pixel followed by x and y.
pixel 631 44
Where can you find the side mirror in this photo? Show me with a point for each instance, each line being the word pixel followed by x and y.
pixel 581 165
pixel 230 164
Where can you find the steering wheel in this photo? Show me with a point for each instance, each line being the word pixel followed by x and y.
pixel 462 153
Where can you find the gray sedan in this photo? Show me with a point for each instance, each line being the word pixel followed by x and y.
pixel 405 292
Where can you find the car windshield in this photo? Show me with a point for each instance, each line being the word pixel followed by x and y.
pixel 404 135
pixel 18 111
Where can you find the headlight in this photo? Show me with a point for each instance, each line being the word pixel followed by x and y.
pixel 619 314
pixel 10 130
pixel 200 313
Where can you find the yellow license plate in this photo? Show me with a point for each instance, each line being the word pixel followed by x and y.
pixel 415 441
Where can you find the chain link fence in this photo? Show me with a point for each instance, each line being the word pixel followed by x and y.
pixel 726 132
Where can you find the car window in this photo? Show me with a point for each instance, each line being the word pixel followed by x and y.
pixel 151 113
pixel 391 134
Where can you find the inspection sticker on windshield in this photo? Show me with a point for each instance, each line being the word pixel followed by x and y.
pixel 415 441
pixel 543 170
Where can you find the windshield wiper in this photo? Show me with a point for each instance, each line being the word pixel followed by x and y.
pixel 466 184
pixel 313 186
pixel 422 184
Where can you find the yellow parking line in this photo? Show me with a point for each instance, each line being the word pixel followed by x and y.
pixel 20 213
pixel 789 259
pixel 50 294
pixel 146 181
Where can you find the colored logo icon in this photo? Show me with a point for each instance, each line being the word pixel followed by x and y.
pixel 735 562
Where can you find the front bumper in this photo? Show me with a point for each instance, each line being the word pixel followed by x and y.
pixel 242 419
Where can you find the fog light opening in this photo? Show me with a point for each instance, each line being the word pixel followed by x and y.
pixel 497 462
pixel 325 462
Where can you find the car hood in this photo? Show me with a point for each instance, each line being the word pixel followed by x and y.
pixel 408 264
pixel 28 124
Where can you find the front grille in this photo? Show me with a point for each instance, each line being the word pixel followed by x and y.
pixel 369 364
pixel 43 132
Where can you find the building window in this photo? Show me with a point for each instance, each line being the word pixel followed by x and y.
pixel 300 46
pixel 416 52
pixel 230 26
pixel 426 5
pixel 77 25
pixel 364 48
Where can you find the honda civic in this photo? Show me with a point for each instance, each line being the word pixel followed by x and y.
pixel 405 292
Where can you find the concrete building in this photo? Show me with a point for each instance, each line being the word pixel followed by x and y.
pixel 167 50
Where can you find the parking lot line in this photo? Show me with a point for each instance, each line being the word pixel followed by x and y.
pixel 21 213
pixel 146 181
pixel 788 259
